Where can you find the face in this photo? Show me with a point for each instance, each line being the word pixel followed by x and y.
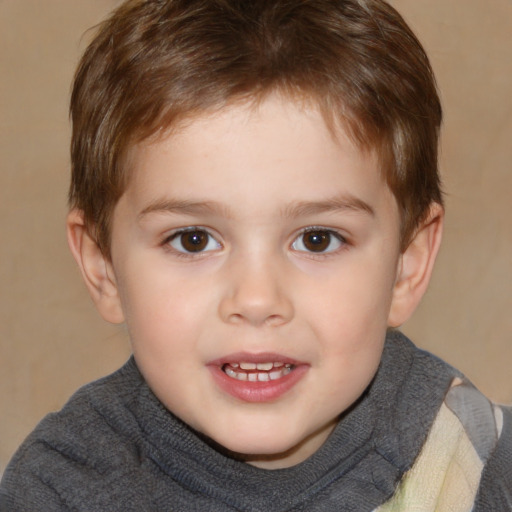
pixel 255 256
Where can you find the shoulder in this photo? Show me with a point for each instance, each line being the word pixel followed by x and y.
pixel 495 491
pixel 465 462
pixel 92 436
pixel 479 453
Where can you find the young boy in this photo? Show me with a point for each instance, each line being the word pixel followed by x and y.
pixel 255 194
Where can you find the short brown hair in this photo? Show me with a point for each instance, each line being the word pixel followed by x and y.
pixel 155 62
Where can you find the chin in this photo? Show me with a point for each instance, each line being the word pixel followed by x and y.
pixel 256 444
pixel 268 447
pixel 259 441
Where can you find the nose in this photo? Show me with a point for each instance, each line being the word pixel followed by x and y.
pixel 256 293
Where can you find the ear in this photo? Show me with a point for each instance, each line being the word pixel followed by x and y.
pixel 96 269
pixel 415 267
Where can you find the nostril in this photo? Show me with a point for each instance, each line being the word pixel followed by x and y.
pixel 275 320
pixel 235 318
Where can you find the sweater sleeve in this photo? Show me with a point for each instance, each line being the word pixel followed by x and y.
pixel 495 492
pixel 22 489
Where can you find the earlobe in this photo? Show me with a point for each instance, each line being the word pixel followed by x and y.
pixel 415 267
pixel 95 268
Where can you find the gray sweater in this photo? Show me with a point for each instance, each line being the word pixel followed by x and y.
pixel 114 447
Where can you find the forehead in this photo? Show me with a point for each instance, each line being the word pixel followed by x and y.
pixel 274 150
pixel 268 107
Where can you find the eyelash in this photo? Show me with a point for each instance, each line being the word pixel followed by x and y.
pixel 299 239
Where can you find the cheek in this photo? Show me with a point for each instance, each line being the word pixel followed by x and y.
pixel 353 299
pixel 160 305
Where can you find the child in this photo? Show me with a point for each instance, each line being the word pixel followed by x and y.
pixel 255 194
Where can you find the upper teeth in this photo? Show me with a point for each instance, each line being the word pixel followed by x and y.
pixel 261 376
pixel 257 366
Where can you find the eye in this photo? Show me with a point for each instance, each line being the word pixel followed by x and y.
pixel 193 240
pixel 318 241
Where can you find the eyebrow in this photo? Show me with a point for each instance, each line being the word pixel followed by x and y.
pixel 185 207
pixel 334 204
pixel 295 209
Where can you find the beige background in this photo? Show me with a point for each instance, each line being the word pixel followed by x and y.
pixel 52 341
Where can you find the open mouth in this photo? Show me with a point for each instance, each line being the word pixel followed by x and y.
pixel 257 372
pixel 263 377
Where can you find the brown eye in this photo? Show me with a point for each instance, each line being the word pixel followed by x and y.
pixel 318 240
pixel 193 241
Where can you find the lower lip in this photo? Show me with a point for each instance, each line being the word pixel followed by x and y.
pixel 267 391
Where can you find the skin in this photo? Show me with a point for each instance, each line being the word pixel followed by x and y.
pixel 252 180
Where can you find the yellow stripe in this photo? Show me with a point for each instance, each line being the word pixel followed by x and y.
pixel 446 475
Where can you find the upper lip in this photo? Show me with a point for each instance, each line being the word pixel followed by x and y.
pixel 260 357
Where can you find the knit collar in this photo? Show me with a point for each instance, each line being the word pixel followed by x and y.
pixel 374 443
